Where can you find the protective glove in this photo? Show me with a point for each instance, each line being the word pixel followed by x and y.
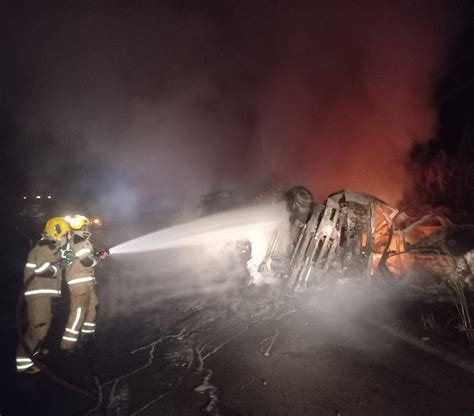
pixel 102 254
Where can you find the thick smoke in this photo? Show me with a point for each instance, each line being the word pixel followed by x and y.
pixel 178 100
pixel 352 93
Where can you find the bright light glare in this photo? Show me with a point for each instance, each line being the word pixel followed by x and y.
pixel 24 197
pixel 49 196
pixel 38 196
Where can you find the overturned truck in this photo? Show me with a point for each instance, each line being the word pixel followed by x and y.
pixel 356 234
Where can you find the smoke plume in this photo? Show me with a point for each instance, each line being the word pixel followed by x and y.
pixel 352 93
pixel 177 99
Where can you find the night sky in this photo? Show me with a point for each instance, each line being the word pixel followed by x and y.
pixel 120 101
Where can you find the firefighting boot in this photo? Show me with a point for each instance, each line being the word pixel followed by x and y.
pixel 85 341
pixel 31 370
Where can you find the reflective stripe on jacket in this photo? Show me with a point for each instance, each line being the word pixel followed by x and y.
pixel 82 269
pixel 41 262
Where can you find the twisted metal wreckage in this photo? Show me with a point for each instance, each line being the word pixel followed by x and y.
pixel 357 234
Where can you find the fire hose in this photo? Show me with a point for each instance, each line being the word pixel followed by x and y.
pixel 34 359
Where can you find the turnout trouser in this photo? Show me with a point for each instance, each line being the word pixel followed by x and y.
pixel 82 314
pixel 39 321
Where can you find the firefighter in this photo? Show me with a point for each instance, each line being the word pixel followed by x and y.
pixel 43 263
pixel 81 283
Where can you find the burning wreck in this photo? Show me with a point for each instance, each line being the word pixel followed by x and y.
pixel 357 234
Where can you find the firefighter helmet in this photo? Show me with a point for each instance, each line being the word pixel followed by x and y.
pixel 77 222
pixel 56 227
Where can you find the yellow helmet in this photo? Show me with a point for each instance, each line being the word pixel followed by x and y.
pixel 56 227
pixel 77 221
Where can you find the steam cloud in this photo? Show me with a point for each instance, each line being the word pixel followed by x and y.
pixel 176 99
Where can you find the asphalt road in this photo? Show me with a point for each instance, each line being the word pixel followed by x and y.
pixel 324 364
pixel 317 355
pixel 251 351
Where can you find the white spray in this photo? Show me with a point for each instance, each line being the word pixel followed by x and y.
pixel 255 224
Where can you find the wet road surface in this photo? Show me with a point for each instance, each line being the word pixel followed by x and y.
pixel 251 351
